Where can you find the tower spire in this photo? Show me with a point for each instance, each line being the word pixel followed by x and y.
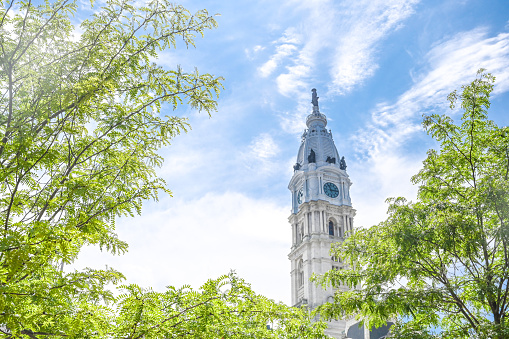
pixel 314 101
pixel 322 214
pixel 316 116
pixel 314 97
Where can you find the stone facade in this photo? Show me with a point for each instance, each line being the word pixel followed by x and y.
pixel 322 214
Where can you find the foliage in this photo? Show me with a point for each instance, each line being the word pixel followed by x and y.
pixel 81 120
pixel 440 265
pixel 223 308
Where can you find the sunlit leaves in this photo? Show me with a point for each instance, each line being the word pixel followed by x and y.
pixel 221 308
pixel 82 116
pixel 440 265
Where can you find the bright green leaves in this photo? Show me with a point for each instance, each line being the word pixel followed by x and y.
pixel 82 117
pixel 221 308
pixel 439 265
pixel 81 121
pixel 57 303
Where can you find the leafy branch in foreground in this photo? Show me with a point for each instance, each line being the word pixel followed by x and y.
pixel 80 126
pixel 81 121
pixel 222 308
pixel 439 265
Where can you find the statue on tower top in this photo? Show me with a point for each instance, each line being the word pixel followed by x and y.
pixel 342 164
pixel 314 99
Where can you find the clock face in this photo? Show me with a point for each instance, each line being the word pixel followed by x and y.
pixel 299 196
pixel 331 190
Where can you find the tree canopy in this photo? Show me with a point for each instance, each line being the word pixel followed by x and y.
pixel 439 265
pixel 82 116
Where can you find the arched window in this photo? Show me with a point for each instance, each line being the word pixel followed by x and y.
pixel 331 228
pixel 300 273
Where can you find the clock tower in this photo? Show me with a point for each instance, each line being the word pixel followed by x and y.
pixel 322 213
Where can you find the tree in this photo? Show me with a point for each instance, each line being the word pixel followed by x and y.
pixel 223 308
pixel 440 265
pixel 81 121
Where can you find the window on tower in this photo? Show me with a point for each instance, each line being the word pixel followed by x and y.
pixel 331 228
pixel 336 259
pixel 337 268
pixel 300 273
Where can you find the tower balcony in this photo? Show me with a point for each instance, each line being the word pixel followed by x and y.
pixel 316 116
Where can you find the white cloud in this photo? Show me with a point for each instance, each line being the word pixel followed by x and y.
pixel 252 52
pixel 285 47
pixel 189 241
pixel 207 148
pixel 260 160
pixel 343 36
pixel 258 48
pixel 264 147
pixel 451 63
pixel 282 51
pixel 364 24
pixel 294 82
pixel 376 180
pixel 295 121
pixel 380 144
pixel 316 33
pixel 170 59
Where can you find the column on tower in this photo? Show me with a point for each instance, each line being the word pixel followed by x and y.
pixel 320 225
pixel 305 225
pixel 324 223
pixel 316 222
pixel 294 282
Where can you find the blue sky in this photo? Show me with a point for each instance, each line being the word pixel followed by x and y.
pixel 377 65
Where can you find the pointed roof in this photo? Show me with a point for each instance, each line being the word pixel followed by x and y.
pixel 318 139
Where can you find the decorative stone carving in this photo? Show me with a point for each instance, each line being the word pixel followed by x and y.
pixel 312 157
pixel 342 163
pixel 331 160
pixel 303 137
pixel 314 97
pixel 296 167
pixel 333 209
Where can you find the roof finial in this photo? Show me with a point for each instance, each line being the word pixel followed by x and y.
pixel 314 99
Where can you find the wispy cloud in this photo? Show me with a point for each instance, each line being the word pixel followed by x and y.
pixel 363 25
pixel 343 36
pixel 252 52
pixel 282 51
pixel 317 32
pixel 264 147
pixel 285 47
pixel 380 145
pixel 261 157
pixel 450 64
pixel 294 121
